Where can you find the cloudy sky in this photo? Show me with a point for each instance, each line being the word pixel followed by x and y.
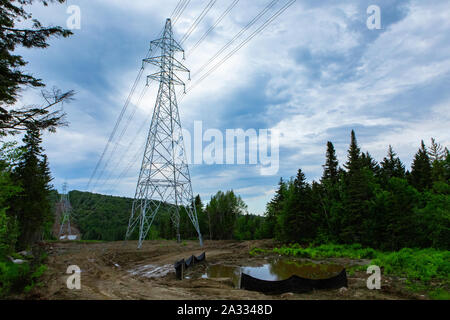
pixel 314 74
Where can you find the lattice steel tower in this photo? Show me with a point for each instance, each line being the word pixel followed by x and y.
pixel 164 181
pixel 65 208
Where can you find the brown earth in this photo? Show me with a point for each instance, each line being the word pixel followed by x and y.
pixel 106 273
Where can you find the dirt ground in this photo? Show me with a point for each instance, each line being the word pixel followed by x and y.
pixel 118 270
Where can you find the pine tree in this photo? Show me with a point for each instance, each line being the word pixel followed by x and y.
pixel 370 163
pixel 296 220
pixel 355 195
pixel 31 206
pixel 437 159
pixel 420 176
pixel 391 166
pixel 273 209
pixel 436 152
pixel 330 168
pixel 353 163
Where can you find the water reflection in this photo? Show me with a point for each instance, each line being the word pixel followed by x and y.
pixel 276 269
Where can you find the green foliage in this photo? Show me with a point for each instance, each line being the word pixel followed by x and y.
pixel 105 218
pixel 433 219
pixel 100 217
pixel 354 251
pixel 8 233
pixel 298 215
pixel 31 207
pixel 13 277
pixel 382 207
pixel 9 154
pixel 331 166
pixel 248 227
pixel 440 294
pixel 257 251
pixel 223 211
pixel 391 166
pixel 416 264
pixel 420 177
pixel 273 210
pixel 17 278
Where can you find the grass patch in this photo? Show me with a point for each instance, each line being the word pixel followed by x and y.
pixel 354 251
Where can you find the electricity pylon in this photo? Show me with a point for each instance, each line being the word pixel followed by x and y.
pixel 164 181
pixel 65 208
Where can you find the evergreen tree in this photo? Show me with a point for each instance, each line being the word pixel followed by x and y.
pixel 8 226
pixel 31 206
pixel 437 159
pixel 420 176
pixel 353 164
pixel 296 221
pixel 273 209
pixel 391 166
pixel 355 195
pixel 367 161
pixel 330 168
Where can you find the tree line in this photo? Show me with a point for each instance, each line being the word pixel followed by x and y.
pixel 101 217
pixel 379 205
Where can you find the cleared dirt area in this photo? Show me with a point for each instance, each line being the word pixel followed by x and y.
pixel 118 270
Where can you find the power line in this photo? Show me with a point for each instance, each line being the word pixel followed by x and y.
pixel 239 34
pixel 133 141
pixel 243 43
pixel 186 2
pixel 177 9
pixel 230 42
pixel 119 119
pixel 124 129
pixel 230 7
pixel 197 21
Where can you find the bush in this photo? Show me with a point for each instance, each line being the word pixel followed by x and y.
pixel 18 278
pixel 423 265
pixel 13 277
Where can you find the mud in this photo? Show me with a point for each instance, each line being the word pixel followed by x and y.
pixel 118 270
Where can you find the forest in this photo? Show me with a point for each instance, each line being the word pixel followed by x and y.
pixel 378 205
pixel 101 217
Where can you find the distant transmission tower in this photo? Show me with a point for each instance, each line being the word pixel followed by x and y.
pixel 164 182
pixel 65 208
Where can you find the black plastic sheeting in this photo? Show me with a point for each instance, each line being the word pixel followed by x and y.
pixel 293 284
pixel 183 264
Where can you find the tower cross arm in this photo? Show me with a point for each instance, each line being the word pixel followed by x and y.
pixel 177 65
pixel 166 42
pixel 161 76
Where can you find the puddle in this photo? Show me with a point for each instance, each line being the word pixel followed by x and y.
pixel 277 269
pixel 152 271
